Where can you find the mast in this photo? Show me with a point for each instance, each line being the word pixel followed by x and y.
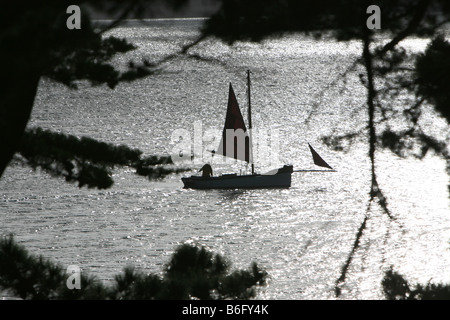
pixel 250 120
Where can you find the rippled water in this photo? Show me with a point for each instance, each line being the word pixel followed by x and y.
pixel 301 236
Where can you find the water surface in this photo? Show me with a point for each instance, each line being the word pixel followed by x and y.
pixel 301 236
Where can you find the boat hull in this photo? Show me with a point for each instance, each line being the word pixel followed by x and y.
pixel 255 181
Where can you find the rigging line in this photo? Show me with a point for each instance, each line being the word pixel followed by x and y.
pixel 318 96
pixel 352 116
pixel 315 170
pixel 327 87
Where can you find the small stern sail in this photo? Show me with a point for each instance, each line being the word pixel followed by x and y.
pixel 317 159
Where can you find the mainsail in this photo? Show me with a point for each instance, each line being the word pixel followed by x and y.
pixel 235 141
pixel 317 159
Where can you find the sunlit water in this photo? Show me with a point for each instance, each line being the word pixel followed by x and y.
pixel 302 236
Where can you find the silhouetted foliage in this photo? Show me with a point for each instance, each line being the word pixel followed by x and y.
pixel 241 20
pixel 433 75
pixel 448 172
pixel 254 20
pixel 35 42
pixel 403 143
pixel 34 277
pixel 388 76
pixel 85 160
pixel 193 272
pixel 396 287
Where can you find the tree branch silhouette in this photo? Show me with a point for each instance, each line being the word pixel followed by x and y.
pixel 193 272
pixel 87 161
pixel 35 43
pixel 345 20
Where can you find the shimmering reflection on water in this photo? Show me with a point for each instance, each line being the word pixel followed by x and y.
pixel 302 236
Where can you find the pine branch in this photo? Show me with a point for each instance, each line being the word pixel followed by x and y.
pixel 85 160
pixel 192 272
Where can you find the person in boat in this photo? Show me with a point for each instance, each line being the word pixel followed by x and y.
pixel 207 171
pixel 286 168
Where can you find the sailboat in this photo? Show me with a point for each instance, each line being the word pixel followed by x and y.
pixel 236 143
